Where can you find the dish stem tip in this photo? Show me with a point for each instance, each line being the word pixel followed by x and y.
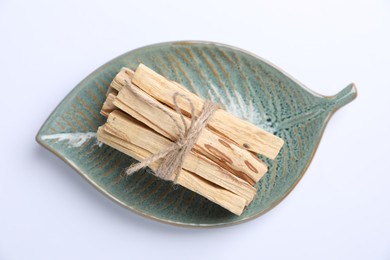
pixel 345 96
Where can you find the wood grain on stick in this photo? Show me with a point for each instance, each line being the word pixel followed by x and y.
pixel 108 105
pixel 119 81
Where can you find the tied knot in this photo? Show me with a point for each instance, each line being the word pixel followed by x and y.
pixel 172 157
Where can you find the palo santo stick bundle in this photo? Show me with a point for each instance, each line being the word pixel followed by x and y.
pixel 219 161
pixel 220 150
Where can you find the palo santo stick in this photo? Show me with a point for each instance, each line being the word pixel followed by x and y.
pixel 108 105
pixel 212 192
pixel 112 91
pixel 222 151
pixel 123 126
pixel 244 133
pixel 119 81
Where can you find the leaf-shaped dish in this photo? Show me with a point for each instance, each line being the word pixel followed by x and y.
pixel 246 85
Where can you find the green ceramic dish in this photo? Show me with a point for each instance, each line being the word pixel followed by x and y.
pixel 244 84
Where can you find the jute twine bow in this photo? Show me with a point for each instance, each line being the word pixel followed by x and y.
pixel 174 155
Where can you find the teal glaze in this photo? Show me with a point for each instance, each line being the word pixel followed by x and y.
pixel 244 84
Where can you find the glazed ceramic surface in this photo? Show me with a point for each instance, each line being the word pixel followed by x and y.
pixel 244 84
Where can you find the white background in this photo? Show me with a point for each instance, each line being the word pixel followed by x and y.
pixel 340 209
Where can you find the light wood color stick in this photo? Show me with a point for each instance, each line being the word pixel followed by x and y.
pixel 212 192
pixel 123 126
pixel 222 151
pixel 108 105
pixel 119 81
pixel 244 133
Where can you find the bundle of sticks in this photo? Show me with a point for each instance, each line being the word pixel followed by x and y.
pixel 222 165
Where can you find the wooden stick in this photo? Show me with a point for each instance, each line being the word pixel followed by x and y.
pixel 214 193
pixel 112 91
pixel 222 151
pixel 119 81
pixel 108 105
pixel 244 133
pixel 123 126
